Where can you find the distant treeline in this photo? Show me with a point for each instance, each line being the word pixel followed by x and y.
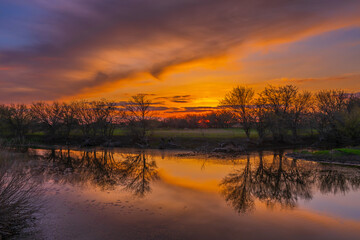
pixel 280 113
pixel 283 113
pixel 94 119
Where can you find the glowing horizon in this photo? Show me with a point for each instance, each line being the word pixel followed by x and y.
pixel 187 54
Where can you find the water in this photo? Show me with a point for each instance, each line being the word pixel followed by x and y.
pixel 132 194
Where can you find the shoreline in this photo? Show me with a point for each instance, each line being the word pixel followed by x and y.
pixel 240 147
pixel 216 147
pixel 351 160
pixel 197 144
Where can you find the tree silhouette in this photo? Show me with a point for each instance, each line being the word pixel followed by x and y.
pixel 239 100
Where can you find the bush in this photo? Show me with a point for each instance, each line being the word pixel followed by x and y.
pixel 17 200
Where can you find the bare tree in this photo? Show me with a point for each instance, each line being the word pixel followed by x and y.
pixel 68 118
pixel 299 111
pixel 19 199
pixel 18 118
pixel 105 113
pixel 351 119
pixel 85 118
pixel 139 114
pixel 329 104
pixel 260 119
pixel 49 115
pixel 278 101
pixel 239 100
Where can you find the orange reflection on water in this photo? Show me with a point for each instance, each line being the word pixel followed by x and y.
pixel 158 193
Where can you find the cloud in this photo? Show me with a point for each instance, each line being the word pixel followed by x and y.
pixel 323 79
pixel 348 82
pixel 78 45
pixel 191 110
pixel 161 109
pixel 177 98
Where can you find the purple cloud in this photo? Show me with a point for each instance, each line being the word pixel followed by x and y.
pixel 78 44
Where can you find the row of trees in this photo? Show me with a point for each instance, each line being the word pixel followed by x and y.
pixel 283 113
pixel 54 119
pixel 90 119
pixel 215 119
pixel 280 112
pixel 334 114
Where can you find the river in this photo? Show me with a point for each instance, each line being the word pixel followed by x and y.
pixel 153 194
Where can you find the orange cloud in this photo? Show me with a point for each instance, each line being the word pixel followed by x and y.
pixel 105 50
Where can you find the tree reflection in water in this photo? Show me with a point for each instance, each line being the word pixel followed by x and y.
pixel 137 172
pixel 282 182
pixel 238 190
pixel 335 181
pixel 274 181
pixel 132 171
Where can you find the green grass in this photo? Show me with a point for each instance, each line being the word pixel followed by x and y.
pixel 348 151
pixel 322 152
pixel 202 133
pixel 336 152
pixel 120 132
pixel 36 134
pixel 210 133
pixel 194 133
pixel 302 152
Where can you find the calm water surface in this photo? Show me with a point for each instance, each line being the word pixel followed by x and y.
pixel 132 194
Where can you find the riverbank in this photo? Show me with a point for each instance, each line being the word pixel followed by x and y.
pixel 199 140
pixel 343 156
pixel 205 144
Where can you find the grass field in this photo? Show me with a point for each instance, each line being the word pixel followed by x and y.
pixel 205 133
pixel 183 133
pixel 194 133
pixel 211 133
pixel 335 152
pixel 202 133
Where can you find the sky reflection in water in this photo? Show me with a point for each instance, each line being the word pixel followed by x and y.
pixel 130 194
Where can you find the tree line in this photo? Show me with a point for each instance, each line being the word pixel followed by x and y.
pixel 334 114
pixel 279 113
pixel 89 119
pixel 283 113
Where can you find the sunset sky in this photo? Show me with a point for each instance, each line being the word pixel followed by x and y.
pixel 186 53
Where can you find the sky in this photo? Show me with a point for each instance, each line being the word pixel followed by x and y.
pixel 186 54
